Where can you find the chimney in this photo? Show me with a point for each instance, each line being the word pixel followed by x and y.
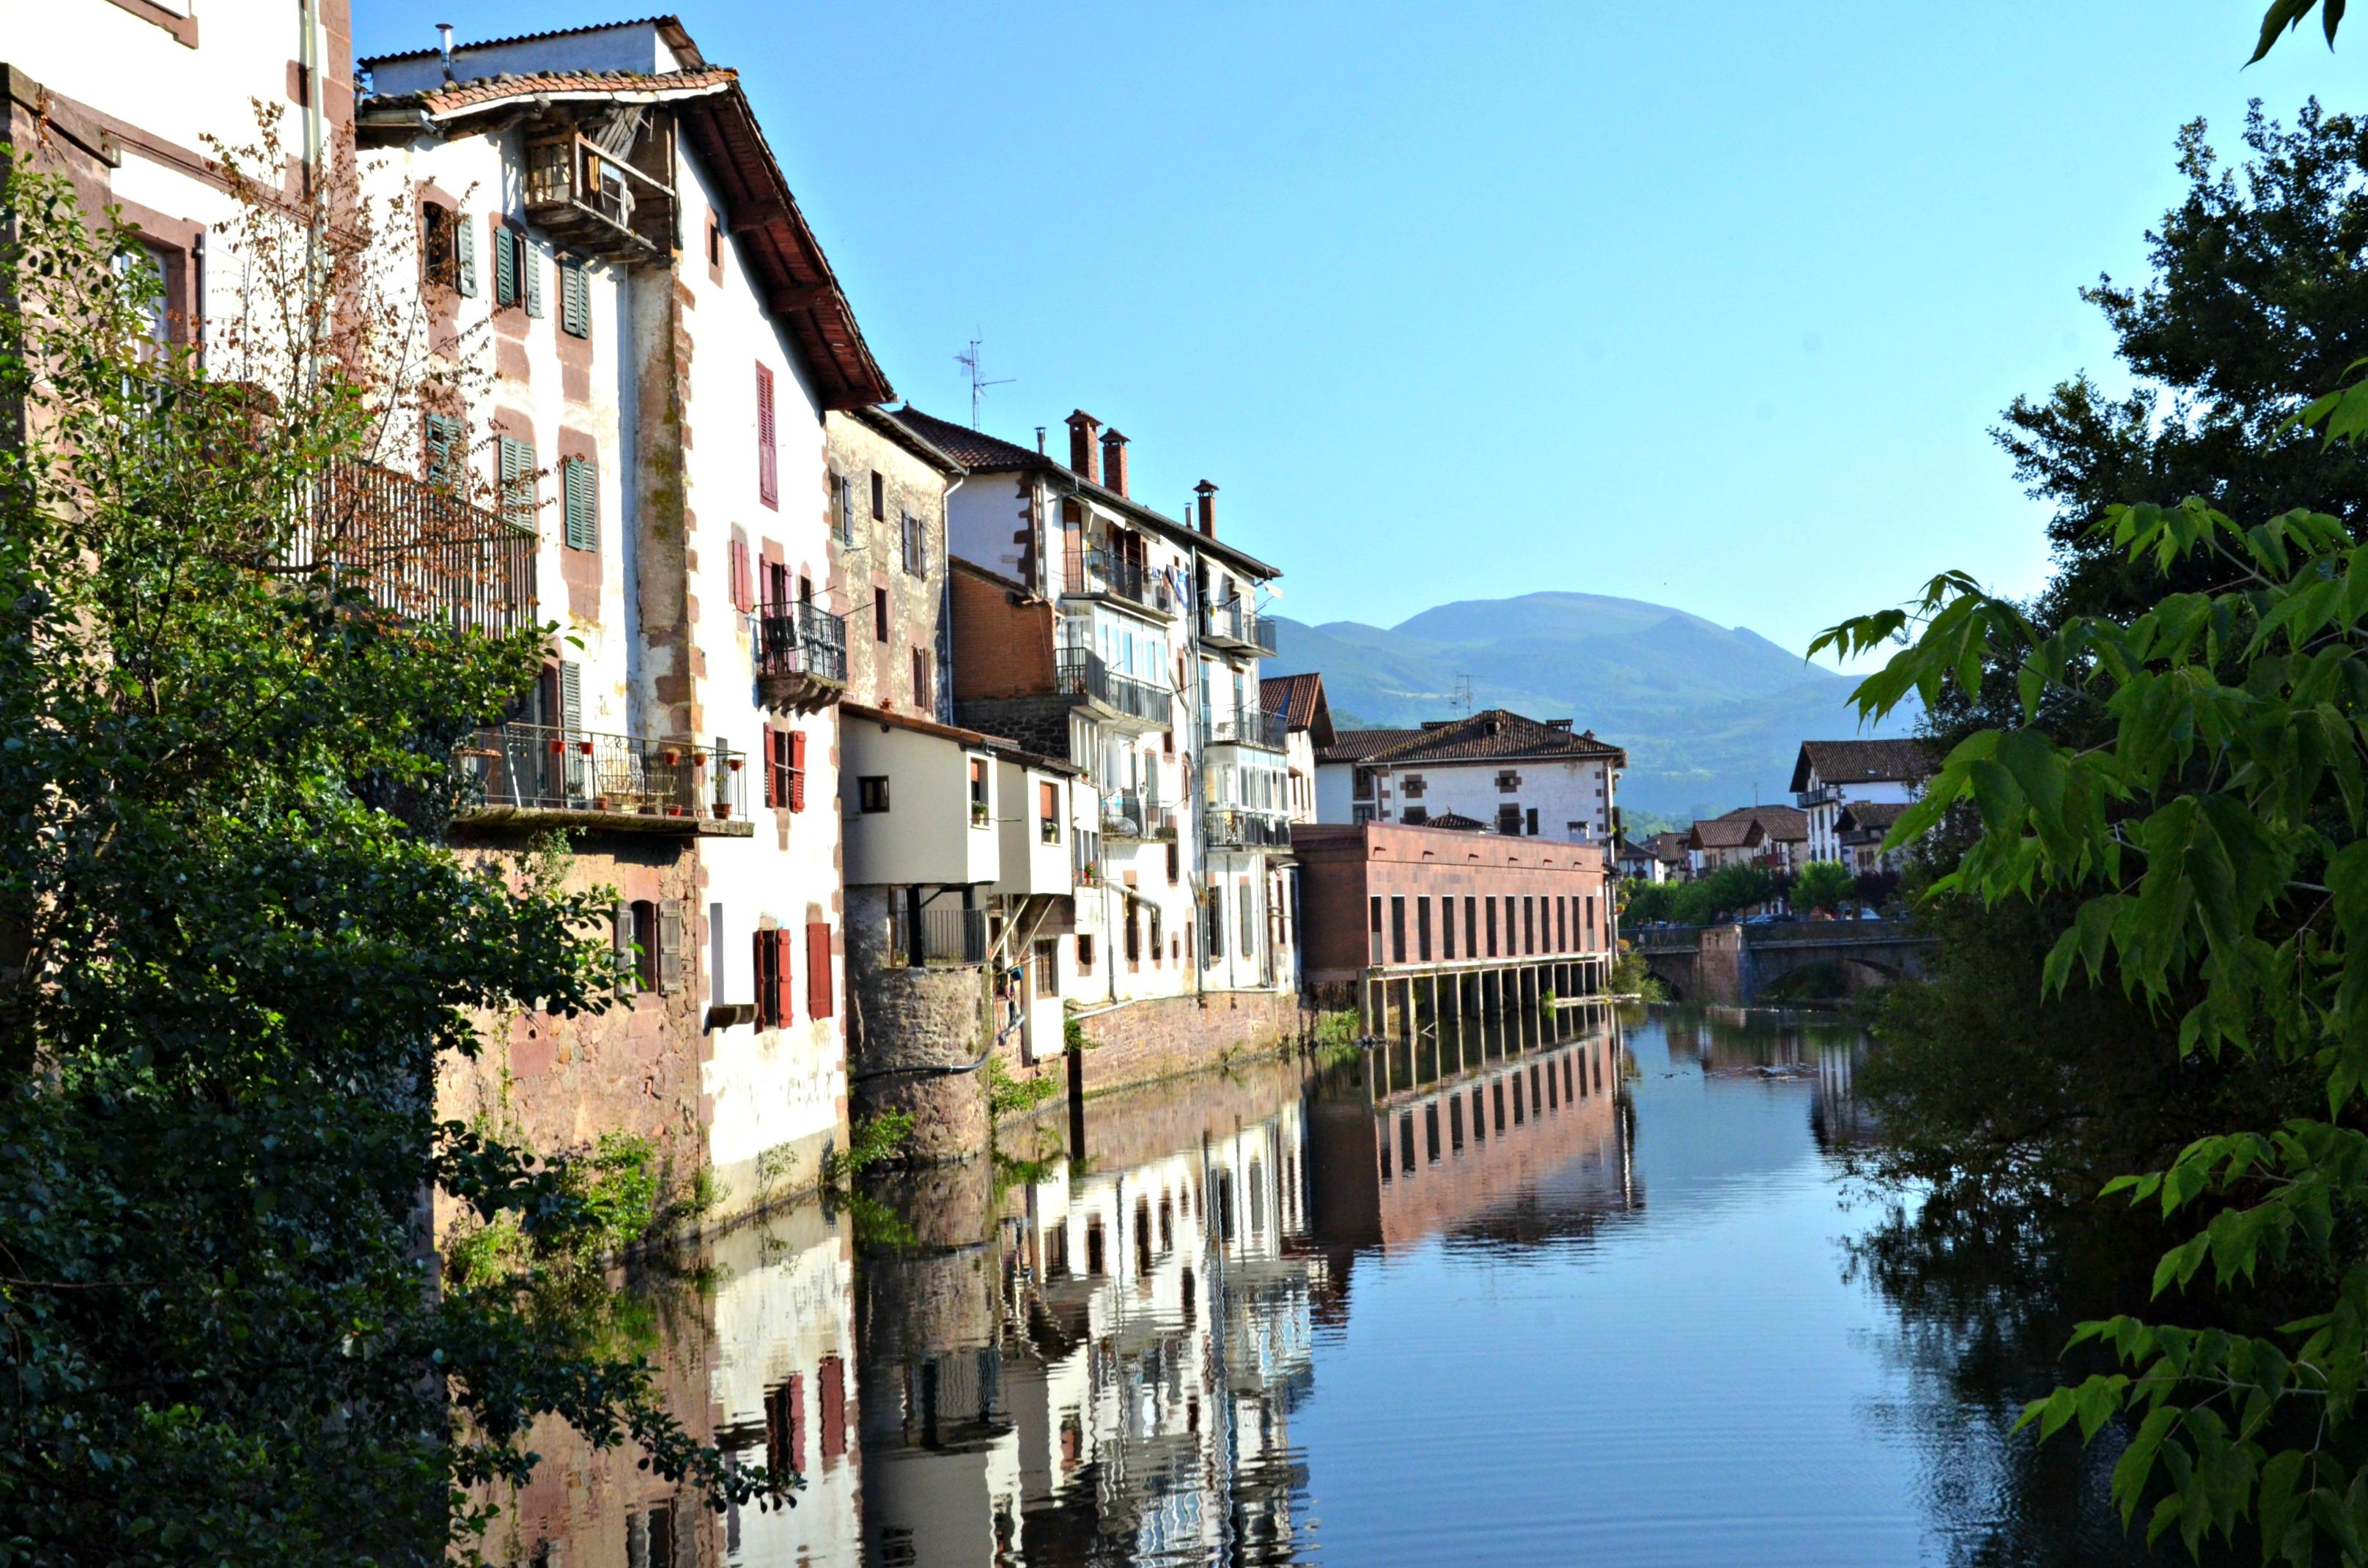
pixel 1114 461
pixel 1083 458
pixel 1208 495
pixel 1040 440
pixel 444 30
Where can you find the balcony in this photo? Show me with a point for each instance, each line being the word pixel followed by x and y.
pixel 1123 700
pixel 1137 814
pixel 536 774
pixel 581 193
pixel 935 937
pixel 1229 827
pixel 1823 795
pixel 1236 627
pixel 1104 574
pixel 800 656
pixel 419 550
pixel 1265 730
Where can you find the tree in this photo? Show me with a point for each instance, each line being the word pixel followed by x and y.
pixel 235 947
pixel 1824 884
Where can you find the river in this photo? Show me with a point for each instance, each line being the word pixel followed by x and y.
pixel 1598 1300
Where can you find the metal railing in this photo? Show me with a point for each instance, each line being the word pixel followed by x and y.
pixel 1137 813
pixel 580 191
pixel 802 639
pixel 1265 730
pixel 1236 620
pixel 949 936
pixel 1823 795
pixel 1080 674
pixel 1230 827
pixel 541 768
pixel 1120 576
pixel 417 550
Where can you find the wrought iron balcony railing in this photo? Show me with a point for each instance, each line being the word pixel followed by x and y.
pixel 544 768
pixel 1229 827
pixel 1266 730
pixel 950 936
pixel 802 639
pixel 583 192
pixel 1138 815
pixel 1080 674
pixel 417 550
pixel 1105 572
pixel 1235 623
pixel 1823 795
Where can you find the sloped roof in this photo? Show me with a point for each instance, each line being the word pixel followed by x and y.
pixel 669 28
pixel 1492 735
pixel 1726 832
pixel 1843 762
pixel 1780 822
pixel 1300 700
pixel 1877 815
pixel 1667 846
pixel 886 423
pixel 1362 745
pixel 791 275
pixel 983 453
pixel 1459 822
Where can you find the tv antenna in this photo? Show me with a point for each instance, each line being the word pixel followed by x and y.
pixel 969 360
pixel 1461 699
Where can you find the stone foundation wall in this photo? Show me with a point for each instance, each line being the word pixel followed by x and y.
pixel 913 1017
pixel 1165 1037
pixel 1040 724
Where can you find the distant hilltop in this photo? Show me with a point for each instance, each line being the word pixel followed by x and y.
pixel 1712 716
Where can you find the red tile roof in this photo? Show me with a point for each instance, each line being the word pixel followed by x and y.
pixel 1300 700
pixel 669 28
pixel 1782 823
pixel 1361 745
pixel 1492 735
pixel 1843 762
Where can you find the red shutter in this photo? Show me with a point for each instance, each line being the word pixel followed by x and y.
pixel 772 768
pixel 819 998
pixel 797 739
pixel 833 1436
pixel 743 586
pixel 784 1003
pixel 768 488
pixel 763 970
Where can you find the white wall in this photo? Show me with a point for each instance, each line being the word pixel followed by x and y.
pixel 925 835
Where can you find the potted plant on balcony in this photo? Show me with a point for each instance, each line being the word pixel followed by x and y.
pixel 723 811
pixel 978 813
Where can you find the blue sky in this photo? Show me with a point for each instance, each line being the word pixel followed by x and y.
pixel 1711 305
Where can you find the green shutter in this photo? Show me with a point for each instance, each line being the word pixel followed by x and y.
pixel 531 269
pixel 506 280
pixel 575 298
pixel 517 480
pixel 447 450
pixel 581 505
pixel 464 255
pixel 571 697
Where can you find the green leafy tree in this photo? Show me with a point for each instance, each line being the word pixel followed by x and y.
pixel 234 950
pixel 1824 884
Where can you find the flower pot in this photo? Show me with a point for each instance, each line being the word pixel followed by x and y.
pixel 733 765
pixel 673 758
pixel 557 748
pixel 723 811
pixel 583 746
pixel 600 803
pixel 674 810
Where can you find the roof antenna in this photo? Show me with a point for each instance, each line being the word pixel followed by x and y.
pixel 968 360
pixel 1462 700
pixel 445 31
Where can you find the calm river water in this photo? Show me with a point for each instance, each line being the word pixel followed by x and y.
pixel 1594 1300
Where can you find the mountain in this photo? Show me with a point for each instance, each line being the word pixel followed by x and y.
pixel 1709 714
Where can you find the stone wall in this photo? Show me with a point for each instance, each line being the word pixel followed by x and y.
pixel 875 572
pixel 1040 724
pixel 913 1017
pixel 1165 1037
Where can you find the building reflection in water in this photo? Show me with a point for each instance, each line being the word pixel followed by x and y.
pixel 1084 1357
pixel 1737 1043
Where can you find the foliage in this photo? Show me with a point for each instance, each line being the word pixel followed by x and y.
pixel 871 1141
pixel 1632 976
pixel 1824 885
pixel 2214 844
pixel 1007 1096
pixel 1704 900
pixel 234 950
pixel 2284 16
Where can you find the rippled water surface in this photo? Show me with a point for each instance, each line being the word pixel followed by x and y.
pixel 1575 1299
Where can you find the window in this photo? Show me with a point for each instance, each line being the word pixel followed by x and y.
pixel 1175 863
pixel 1528 926
pixel 879 498
pixel 649 1538
pixel 769 482
pixel 1360 815
pixel 1411 787
pixel 1447 927
pixel 1085 955
pixel 507 281
pixel 978 806
pixel 1397 928
pixel 574 297
pixel 871 794
pixel 579 499
pixel 519 499
pixel 1472 928
pixel 1047 967
pixel 773 968
pixel 1152 911
pixel 447 451
pixel 819 970
pixel 1048 813
pixel 530 270
pixel 448 249
pixel 1415 817
pixel 1133 936
pixel 917 547
pixel 842 507
pixel 1508 781
pixel 1509 821
pixel 714 245
pixel 924 699
pixel 744 574
pixel 1562 926
pixel 1375 930
pixel 785 769
pixel 1534 822
pixel 1247 923
pixel 785 1428
pixel 1422 927
pixel 880 614
pixel 1492 927
pixel 1362 786
pixel 1213 934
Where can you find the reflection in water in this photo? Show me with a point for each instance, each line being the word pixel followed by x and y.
pixel 1143 1350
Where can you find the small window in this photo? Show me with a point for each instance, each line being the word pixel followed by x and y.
pixel 642 919
pixel 768 488
pixel 580 496
pixel 978 808
pixel 575 298
pixel 519 498
pixel 924 698
pixel 1411 787
pixel 1085 955
pixel 917 547
pixel 879 498
pixel 448 250
pixel 871 794
pixel 1248 921
pixel 447 451
pixel 1415 817
pixel 509 249
pixel 1534 822
pixel 1048 967
pixel 1048 813
pixel 714 242
pixel 1175 863
pixel 880 614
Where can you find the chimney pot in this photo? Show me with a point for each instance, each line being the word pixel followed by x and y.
pixel 1114 461
pixel 1085 453
pixel 1208 495
pixel 444 31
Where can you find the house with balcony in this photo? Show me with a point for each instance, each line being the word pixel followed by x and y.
pixel 589 203
pixel 1091 626
pixel 1828 776
pixel 1299 702
pixel 1524 778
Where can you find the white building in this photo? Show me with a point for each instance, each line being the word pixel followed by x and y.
pixel 1300 703
pixel 1830 774
pixel 1495 770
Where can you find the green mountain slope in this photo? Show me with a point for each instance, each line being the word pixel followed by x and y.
pixel 1710 715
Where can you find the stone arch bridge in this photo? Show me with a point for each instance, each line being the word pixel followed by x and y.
pixel 1735 964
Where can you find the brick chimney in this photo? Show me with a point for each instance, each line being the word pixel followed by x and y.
pixel 1114 461
pixel 1085 459
pixel 1208 495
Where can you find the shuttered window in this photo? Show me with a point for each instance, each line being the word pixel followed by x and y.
pixel 797 759
pixel 464 255
pixel 580 496
pixel 744 577
pixel 505 265
pixel 785 1428
pixel 447 450
pixel 575 298
pixel 670 946
pixel 531 275
pixel 571 697
pixel 769 482
pixel 519 499
pixel 773 979
pixel 818 967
